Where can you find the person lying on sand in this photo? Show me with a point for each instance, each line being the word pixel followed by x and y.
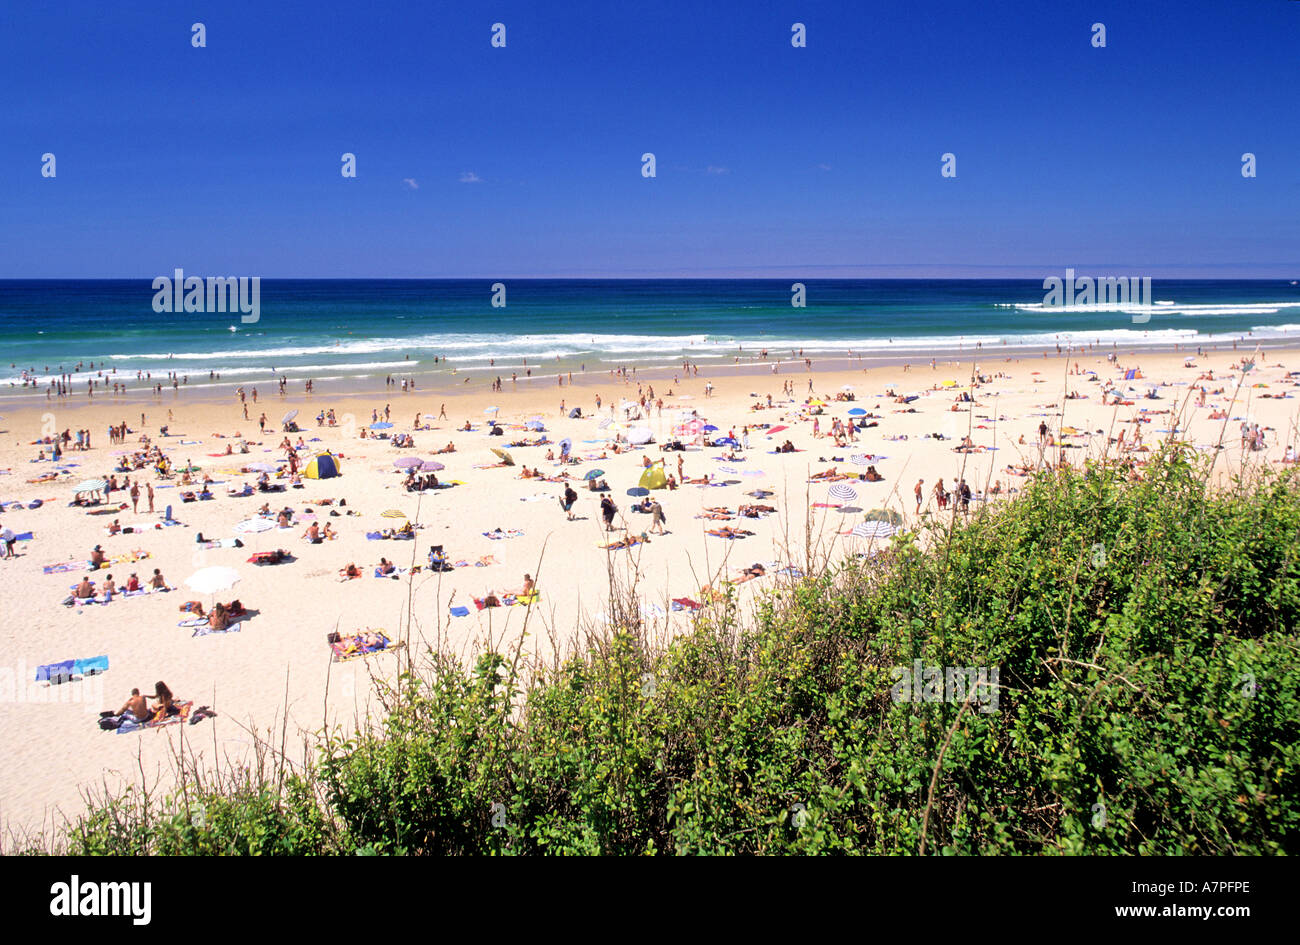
pixel 349 572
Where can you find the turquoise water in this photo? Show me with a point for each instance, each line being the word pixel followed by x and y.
pixel 329 329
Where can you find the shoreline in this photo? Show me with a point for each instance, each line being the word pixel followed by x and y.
pixel 438 382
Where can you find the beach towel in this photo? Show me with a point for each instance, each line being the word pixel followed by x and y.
pixel 460 611
pixel 64 566
pixel 158 720
pixel 685 603
pixel 90 667
pixel 497 534
pixel 55 673
pixel 205 630
pixel 352 647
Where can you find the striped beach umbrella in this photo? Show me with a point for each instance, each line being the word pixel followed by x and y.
pixel 393 513
pixel 408 462
pixel 431 465
pixel 843 493
pixel 93 485
pixel 859 459
pixel 873 530
pixel 253 526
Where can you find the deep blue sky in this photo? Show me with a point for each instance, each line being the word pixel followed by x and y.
pixel 772 161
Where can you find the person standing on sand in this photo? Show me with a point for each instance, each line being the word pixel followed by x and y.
pixel 657 516
pixel 570 497
pixel 919 492
pixel 135 497
pixel 607 511
pixel 149 486
pixel 681 475
pixel 442 414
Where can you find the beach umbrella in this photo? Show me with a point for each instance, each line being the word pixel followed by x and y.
pixel 431 465
pixel 505 457
pixel 393 513
pixel 289 416
pixel 859 459
pixel 251 526
pixel 842 492
pixel 566 445
pixel 381 425
pixel 639 435
pixel 884 515
pixel 211 580
pixel 778 429
pixel 594 474
pixel 606 421
pixel 408 462
pixel 710 428
pixel 93 485
pixel 263 467
pixel 491 409
pixel 873 530
pixel 857 412
pixel 535 425
pixel 638 491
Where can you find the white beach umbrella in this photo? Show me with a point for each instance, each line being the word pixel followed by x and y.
pixel 213 579
pixel 639 435
pixel 253 526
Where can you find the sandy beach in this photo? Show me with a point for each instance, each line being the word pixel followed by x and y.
pixel 278 674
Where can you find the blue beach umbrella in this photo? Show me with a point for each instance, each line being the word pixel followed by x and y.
pixel 638 491
pixel 594 474
pixel 857 412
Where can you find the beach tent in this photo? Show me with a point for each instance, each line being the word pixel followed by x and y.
pixel 322 466
pixel 654 477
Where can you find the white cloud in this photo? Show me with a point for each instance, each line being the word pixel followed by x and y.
pixel 823 167
pixel 411 182
pixel 715 169
pixel 469 177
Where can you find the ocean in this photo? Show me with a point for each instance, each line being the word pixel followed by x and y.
pixel 348 329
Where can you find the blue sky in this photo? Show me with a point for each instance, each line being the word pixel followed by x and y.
pixel 772 160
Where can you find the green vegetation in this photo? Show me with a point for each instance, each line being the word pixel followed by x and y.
pixel 1145 637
